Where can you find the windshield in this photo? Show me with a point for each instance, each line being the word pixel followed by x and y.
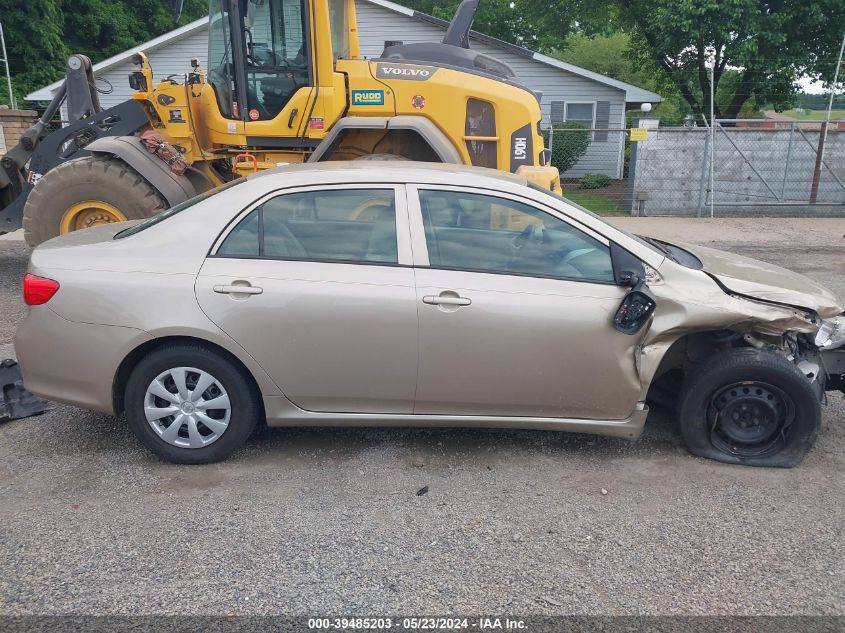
pixel 169 213
pixel 220 71
pixel 675 253
pixel 339 23
pixel 277 55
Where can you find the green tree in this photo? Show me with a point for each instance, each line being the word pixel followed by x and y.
pixel 569 144
pixel 610 55
pixel 496 18
pixel 41 34
pixel 527 23
pixel 758 49
pixel 34 39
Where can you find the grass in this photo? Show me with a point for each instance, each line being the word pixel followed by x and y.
pixel 601 204
pixel 815 115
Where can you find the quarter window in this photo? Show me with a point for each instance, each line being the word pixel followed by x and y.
pixel 467 231
pixel 355 225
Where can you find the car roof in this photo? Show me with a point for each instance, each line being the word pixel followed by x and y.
pixel 392 171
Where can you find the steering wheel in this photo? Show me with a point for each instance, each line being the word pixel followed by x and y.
pixel 531 234
pixel 267 58
pixel 578 252
pixel 566 260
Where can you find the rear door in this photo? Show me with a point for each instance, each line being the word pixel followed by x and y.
pixel 515 308
pixel 316 285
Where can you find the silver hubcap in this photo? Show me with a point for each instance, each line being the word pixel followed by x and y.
pixel 187 407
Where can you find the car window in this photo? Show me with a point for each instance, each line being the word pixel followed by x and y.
pixel 351 225
pixel 557 197
pixel 243 240
pixel 468 231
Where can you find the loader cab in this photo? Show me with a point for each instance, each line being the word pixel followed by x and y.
pixel 258 56
pixel 260 52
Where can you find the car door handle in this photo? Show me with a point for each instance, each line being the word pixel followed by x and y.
pixel 446 300
pixel 238 290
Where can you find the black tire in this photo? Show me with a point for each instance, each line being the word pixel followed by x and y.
pixel 243 396
pixel 663 393
pixel 100 178
pixel 752 407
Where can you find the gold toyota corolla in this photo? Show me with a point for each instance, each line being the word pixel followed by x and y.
pixel 420 295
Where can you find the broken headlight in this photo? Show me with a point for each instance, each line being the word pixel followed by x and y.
pixel 831 334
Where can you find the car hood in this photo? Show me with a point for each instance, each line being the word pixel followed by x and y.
pixel 767 282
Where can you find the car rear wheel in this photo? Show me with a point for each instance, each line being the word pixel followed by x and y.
pixel 190 405
pixel 747 406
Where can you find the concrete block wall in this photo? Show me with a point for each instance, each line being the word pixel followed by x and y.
pixel 757 172
pixel 13 124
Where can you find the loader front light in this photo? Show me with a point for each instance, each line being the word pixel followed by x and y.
pixel 137 81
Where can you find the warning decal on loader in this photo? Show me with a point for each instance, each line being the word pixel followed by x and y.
pixel 367 97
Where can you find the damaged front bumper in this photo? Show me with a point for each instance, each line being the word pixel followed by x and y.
pixel 830 341
pixel 831 334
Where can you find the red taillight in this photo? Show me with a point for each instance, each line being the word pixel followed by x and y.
pixel 38 290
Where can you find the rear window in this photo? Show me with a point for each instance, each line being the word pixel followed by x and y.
pixel 169 213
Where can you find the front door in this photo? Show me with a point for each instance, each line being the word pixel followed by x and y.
pixel 515 310
pixel 316 285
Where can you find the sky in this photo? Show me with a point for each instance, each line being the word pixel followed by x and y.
pixel 812 87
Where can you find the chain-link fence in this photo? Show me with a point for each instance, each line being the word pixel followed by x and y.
pixel 593 165
pixel 737 167
pixel 740 167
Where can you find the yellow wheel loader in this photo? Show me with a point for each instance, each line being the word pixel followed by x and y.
pixel 285 83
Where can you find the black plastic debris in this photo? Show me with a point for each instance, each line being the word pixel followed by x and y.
pixel 422 491
pixel 16 402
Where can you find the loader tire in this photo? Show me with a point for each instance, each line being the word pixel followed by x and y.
pixel 87 192
pixel 385 157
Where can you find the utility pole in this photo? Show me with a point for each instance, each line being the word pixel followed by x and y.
pixel 835 79
pixel 713 139
pixel 817 172
pixel 12 103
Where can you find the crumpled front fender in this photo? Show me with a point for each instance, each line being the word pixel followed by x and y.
pixel 689 301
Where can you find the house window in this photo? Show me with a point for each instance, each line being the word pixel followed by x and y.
pixel 582 113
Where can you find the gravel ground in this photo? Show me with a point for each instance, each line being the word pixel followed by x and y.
pixel 315 521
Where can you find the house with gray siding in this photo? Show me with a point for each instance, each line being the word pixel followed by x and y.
pixel 569 93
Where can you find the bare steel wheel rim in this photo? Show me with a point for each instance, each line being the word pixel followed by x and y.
pixel 750 419
pixel 187 407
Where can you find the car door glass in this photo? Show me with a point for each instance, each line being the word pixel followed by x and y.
pixel 468 231
pixel 352 225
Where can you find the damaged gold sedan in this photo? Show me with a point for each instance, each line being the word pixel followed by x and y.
pixel 404 294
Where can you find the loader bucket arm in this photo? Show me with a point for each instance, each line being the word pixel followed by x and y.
pixel 79 92
pixel 20 169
